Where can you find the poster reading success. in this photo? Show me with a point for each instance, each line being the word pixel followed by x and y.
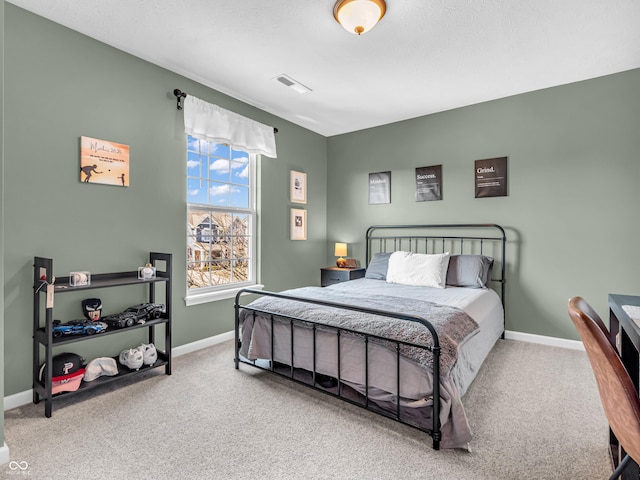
pixel 105 162
pixel 491 177
pixel 379 188
pixel 429 183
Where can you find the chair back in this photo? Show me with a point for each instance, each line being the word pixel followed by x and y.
pixel 617 393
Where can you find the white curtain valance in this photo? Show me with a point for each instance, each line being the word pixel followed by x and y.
pixel 210 122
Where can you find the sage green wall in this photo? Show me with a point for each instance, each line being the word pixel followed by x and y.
pixel 571 214
pixel 64 85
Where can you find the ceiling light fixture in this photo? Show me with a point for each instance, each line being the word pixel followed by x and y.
pixel 359 16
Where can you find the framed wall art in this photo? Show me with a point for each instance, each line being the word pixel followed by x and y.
pixel 298 224
pixel 491 177
pixel 429 183
pixel 104 162
pixel 379 188
pixel 298 187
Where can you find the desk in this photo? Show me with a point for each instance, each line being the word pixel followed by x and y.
pixel 629 348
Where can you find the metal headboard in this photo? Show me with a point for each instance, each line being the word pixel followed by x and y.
pixel 436 239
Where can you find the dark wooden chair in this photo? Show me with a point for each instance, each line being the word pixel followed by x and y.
pixel 617 393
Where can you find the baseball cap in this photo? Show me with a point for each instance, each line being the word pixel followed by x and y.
pixel 100 366
pixel 67 372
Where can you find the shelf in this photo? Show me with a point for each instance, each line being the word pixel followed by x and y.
pixel 104 280
pixel 41 333
pixel 43 320
pixel 123 372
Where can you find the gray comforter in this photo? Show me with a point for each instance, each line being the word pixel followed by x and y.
pixel 453 326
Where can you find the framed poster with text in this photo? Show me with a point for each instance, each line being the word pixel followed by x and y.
pixel 429 183
pixel 379 188
pixel 491 177
pixel 102 161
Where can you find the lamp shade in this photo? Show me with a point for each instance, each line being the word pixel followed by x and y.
pixel 340 250
pixel 359 16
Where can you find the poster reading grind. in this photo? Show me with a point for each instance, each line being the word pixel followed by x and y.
pixel 429 183
pixel 491 177
pixel 379 188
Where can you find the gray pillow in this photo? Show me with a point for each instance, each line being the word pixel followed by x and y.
pixel 472 271
pixel 378 266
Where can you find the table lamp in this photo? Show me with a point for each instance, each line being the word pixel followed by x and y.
pixel 340 251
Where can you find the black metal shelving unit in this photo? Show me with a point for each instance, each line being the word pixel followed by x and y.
pixel 43 285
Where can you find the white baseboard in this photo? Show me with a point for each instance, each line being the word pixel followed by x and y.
pixel 23 398
pixel 18 399
pixel 204 343
pixel 4 454
pixel 550 341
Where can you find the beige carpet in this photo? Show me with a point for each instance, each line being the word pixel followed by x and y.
pixel 534 410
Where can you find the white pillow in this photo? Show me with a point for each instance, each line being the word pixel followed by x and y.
pixel 421 269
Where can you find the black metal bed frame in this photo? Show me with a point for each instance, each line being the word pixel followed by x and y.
pixel 385 243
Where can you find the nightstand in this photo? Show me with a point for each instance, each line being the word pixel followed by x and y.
pixel 331 275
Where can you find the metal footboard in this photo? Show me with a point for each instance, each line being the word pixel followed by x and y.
pixel 434 431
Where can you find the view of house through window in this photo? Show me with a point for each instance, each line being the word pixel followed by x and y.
pixel 220 216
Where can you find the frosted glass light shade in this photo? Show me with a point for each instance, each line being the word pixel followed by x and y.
pixel 359 16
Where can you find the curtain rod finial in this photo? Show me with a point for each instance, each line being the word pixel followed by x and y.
pixel 179 94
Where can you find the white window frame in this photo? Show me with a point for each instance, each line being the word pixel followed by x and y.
pixel 221 292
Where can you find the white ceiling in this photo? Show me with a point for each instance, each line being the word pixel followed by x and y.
pixel 424 56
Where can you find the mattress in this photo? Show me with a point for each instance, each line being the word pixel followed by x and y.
pixel 483 305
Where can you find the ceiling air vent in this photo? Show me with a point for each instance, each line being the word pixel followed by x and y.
pixel 287 81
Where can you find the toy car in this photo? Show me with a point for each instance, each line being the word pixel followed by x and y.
pixel 77 327
pixel 147 311
pixel 119 320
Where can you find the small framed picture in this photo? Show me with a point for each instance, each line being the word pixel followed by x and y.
pixel 350 263
pixel 379 188
pixel 298 187
pixel 298 224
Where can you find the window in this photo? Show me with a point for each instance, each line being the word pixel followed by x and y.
pixel 221 220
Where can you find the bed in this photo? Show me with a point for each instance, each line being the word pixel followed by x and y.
pixel 431 306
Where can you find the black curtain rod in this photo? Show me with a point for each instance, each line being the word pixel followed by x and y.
pixel 180 94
